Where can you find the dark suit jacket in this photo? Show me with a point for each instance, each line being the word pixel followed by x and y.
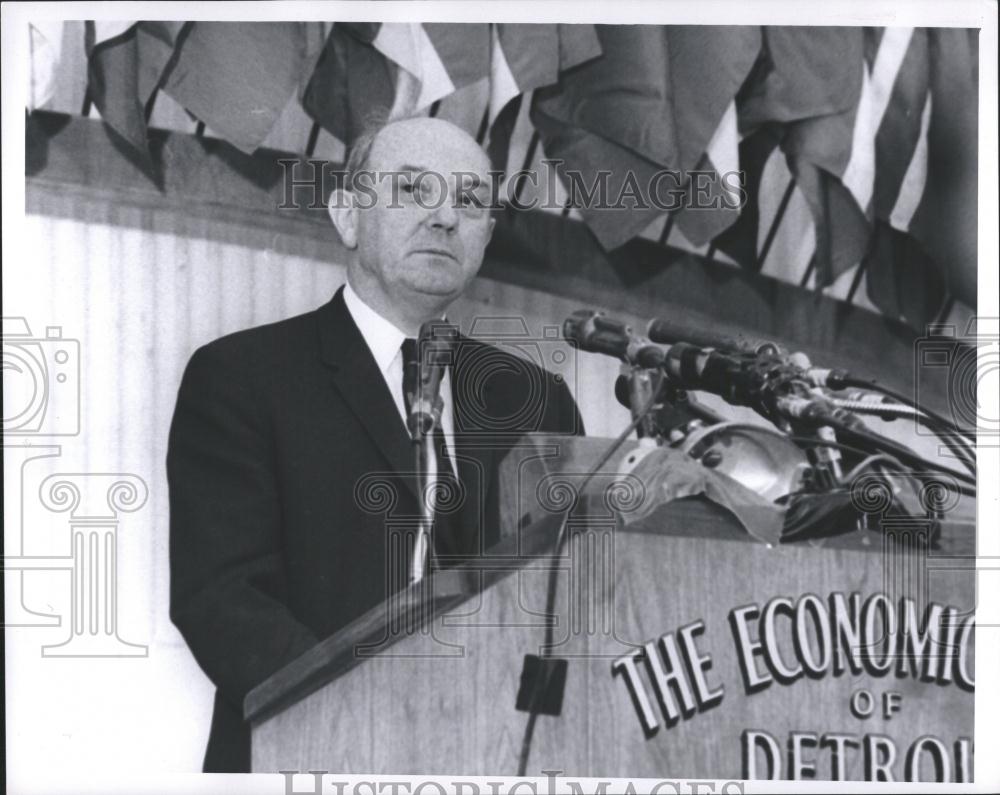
pixel 274 538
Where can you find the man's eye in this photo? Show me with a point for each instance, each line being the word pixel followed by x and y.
pixel 417 188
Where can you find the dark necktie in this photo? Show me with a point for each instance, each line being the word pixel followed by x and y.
pixel 446 531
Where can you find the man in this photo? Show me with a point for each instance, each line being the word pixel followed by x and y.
pixel 273 543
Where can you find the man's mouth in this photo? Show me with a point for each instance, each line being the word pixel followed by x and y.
pixel 438 252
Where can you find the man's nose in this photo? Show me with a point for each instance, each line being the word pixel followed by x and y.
pixel 445 217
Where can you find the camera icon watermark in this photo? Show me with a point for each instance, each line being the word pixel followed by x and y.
pixel 526 368
pixel 41 381
pixel 958 364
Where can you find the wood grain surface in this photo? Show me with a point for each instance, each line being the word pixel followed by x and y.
pixel 441 699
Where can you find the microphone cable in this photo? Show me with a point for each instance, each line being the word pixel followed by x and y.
pixel 943 422
pixel 543 681
pixel 957 445
pixel 863 436
pixel 962 488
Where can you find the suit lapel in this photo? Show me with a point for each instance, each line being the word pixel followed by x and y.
pixel 362 387
pixel 357 378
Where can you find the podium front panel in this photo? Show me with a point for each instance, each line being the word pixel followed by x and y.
pixel 690 651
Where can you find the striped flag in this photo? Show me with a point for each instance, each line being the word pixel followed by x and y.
pixel 237 77
pixel 126 62
pixel 803 95
pixel 903 130
pixel 658 98
pixel 45 48
pixel 857 116
pixel 926 177
pixel 831 154
pixel 867 156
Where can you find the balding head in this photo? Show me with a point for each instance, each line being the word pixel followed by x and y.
pixel 359 157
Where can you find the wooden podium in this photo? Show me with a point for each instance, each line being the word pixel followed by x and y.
pixel 676 645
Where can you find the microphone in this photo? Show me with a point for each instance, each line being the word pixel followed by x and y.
pixel 666 332
pixel 622 394
pixel 743 379
pixel 689 366
pixel 434 353
pixel 817 411
pixel 596 333
pixel 677 402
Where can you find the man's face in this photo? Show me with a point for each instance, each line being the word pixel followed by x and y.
pixel 424 239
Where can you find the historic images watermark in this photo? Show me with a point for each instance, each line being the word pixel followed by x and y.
pixel 41 389
pixel 321 782
pixel 310 184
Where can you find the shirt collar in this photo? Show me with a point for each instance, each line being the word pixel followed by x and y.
pixel 382 337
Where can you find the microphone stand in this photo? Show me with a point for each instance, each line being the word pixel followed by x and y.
pixel 434 354
pixel 424 420
pixel 640 398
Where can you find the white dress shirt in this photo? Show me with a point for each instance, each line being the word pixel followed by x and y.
pixel 384 340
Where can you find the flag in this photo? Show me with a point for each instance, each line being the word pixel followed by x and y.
pixel 926 179
pixel 901 280
pixel 237 77
pixel 523 58
pixel 371 71
pixel 865 151
pixel 803 72
pixel 804 95
pixel 740 240
pixel 830 148
pixel 435 60
pixel 654 100
pixel 945 221
pixel 706 120
pixel 45 48
pixel 126 62
pixel 903 130
pixel 351 82
pixel 707 67
pixel 712 201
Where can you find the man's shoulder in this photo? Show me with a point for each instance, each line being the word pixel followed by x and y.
pixel 265 344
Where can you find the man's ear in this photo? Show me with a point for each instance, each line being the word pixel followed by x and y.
pixel 344 214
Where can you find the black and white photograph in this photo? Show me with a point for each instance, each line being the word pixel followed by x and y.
pixel 500 397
